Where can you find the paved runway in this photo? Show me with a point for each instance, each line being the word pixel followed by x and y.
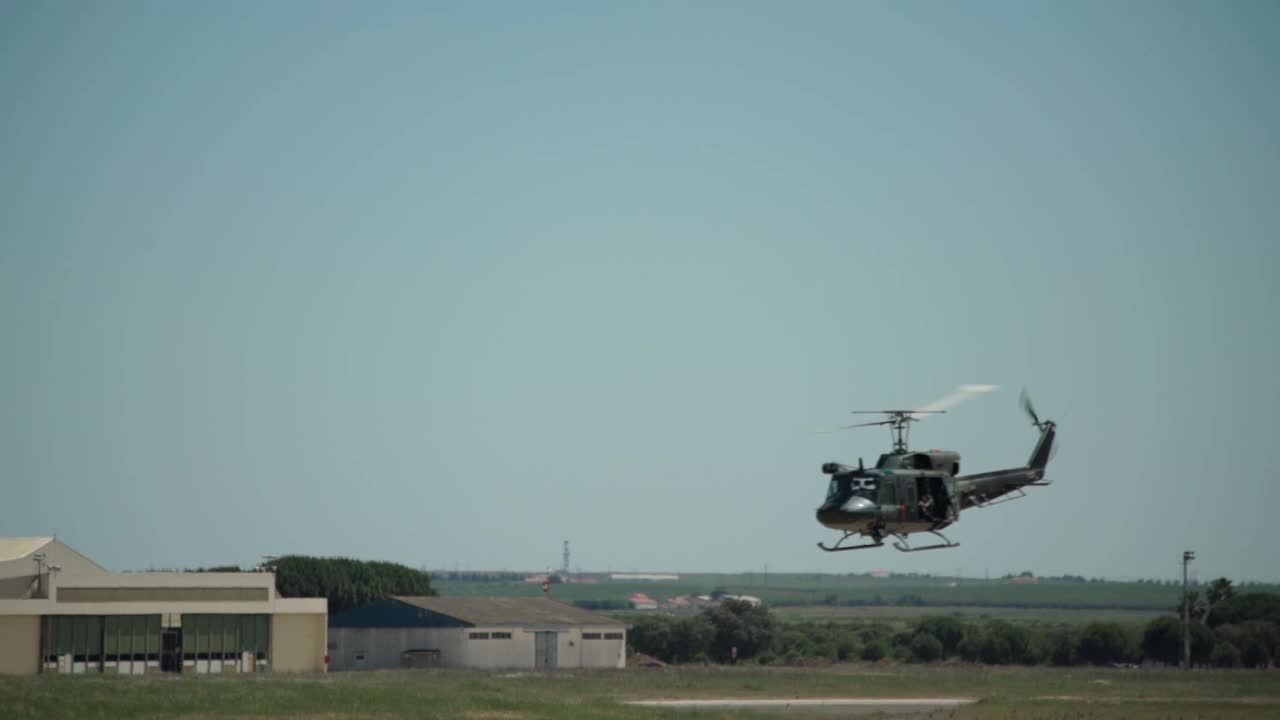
pixel 845 706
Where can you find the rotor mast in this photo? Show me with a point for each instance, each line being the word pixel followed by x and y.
pixel 899 422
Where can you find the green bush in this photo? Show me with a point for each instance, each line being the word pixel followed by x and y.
pixel 1253 654
pixel 1254 638
pixel 874 650
pixel 949 631
pixel 1103 643
pixel 1003 644
pixel 1225 655
pixel 926 648
pixel 691 640
pixel 740 624
pixel 651 635
pixel 1062 647
pixel 847 647
pixel 1162 640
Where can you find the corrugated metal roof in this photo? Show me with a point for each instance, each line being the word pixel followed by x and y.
pixel 20 547
pixel 530 611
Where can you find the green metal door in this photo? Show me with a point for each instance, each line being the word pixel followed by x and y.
pixel 545 650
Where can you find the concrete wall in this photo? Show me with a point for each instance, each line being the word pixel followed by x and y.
pixel 19 645
pixel 18 587
pixel 516 652
pixel 603 653
pixel 298 642
pixel 381 648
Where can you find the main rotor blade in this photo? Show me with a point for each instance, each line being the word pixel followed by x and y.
pixel 834 430
pixel 959 395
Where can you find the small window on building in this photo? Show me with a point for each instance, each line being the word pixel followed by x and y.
pixel 478 636
pixel 613 636
pixel 501 636
pixel 590 636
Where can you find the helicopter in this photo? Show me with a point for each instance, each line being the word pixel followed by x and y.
pixel 910 492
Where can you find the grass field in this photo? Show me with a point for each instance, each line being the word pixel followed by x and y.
pixel 904 615
pixel 1004 693
pixel 793 589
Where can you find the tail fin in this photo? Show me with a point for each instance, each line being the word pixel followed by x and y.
pixel 1040 456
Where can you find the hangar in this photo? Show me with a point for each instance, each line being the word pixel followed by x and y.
pixel 475 632
pixel 61 612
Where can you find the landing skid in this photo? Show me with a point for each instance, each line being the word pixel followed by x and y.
pixel 904 544
pixel 878 541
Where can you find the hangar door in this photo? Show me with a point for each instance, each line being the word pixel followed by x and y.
pixel 545 648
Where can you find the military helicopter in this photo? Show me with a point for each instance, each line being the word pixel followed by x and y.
pixel 921 491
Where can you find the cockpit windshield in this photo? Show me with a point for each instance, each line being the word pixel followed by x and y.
pixel 845 486
pixel 864 487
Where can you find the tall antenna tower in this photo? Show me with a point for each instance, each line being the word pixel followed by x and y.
pixel 565 570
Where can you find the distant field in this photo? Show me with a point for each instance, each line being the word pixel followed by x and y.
pixel 859 590
pixel 1004 693
pixel 1010 614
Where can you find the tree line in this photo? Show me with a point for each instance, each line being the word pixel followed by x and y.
pixel 345 582
pixel 1228 630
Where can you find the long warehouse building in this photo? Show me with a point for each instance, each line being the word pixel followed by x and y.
pixel 61 612
pixel 475 632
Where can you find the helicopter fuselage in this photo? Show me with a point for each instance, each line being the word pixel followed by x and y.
pixel 889 501
pixel 912 491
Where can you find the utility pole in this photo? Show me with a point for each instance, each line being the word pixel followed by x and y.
pixel 39 559
pixel 1187 557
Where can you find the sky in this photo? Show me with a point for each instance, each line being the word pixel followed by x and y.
pixel 450 283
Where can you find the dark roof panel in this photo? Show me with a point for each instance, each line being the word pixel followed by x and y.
pixel 515 611
pixel 389 612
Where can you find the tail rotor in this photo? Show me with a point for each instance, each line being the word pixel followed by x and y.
pixel 1025 401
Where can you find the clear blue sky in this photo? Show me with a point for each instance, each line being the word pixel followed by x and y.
pixel 447 284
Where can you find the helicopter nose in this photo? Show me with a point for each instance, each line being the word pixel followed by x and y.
pixel 853 510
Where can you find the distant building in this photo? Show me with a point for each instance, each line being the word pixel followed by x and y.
pixel 656 577
pixel 475 632
pixel 751 600
pixel 879 573
pixel 1024 580
pixel 61 612
pixel 640 601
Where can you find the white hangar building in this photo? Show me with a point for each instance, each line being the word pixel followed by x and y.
pixel 475 632
pixel 61 612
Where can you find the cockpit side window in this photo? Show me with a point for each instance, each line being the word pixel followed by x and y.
pixel 840 486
